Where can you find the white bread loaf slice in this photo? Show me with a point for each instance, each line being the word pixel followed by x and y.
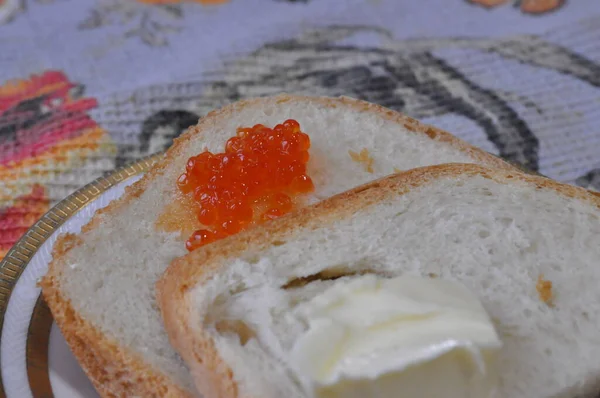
pixel 105 305
pixel 228 308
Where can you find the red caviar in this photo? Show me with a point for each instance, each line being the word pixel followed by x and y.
pixel 257 178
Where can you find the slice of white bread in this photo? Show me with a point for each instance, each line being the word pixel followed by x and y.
pixel 100 284
pixel 228 307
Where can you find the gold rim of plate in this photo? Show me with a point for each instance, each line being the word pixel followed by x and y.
pixel 19 256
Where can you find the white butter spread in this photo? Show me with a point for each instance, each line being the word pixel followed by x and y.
pixel 403 337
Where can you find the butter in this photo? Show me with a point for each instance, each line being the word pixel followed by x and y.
pixel 403 337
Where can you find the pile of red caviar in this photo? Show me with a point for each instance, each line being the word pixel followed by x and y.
pixel 257 178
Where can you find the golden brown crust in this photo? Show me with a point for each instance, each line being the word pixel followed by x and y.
pixel 91 342
pixel 210 372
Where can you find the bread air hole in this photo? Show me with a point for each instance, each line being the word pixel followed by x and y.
pixel 486 192
pixel 235 327
pixel 329 274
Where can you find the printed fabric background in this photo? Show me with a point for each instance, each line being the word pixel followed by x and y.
pixel 89 85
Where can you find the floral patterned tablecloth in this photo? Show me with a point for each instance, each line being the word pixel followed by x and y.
pixel 89 85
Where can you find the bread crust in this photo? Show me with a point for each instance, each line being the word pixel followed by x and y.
pixel 211 374
pixel 118 372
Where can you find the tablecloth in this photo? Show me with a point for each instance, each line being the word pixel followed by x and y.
pixel 90 85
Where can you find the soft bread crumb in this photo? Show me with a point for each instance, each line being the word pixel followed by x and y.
pixel 459 204
pixel 116 300
pixel 178 216
pixel 544 289
pixel 363 157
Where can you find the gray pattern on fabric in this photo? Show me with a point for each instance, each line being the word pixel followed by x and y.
pixel 425 78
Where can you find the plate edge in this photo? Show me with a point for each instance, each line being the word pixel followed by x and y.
pixel 18 257
pixel 36 350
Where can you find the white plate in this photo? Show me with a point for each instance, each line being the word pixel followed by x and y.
pixel 32 363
